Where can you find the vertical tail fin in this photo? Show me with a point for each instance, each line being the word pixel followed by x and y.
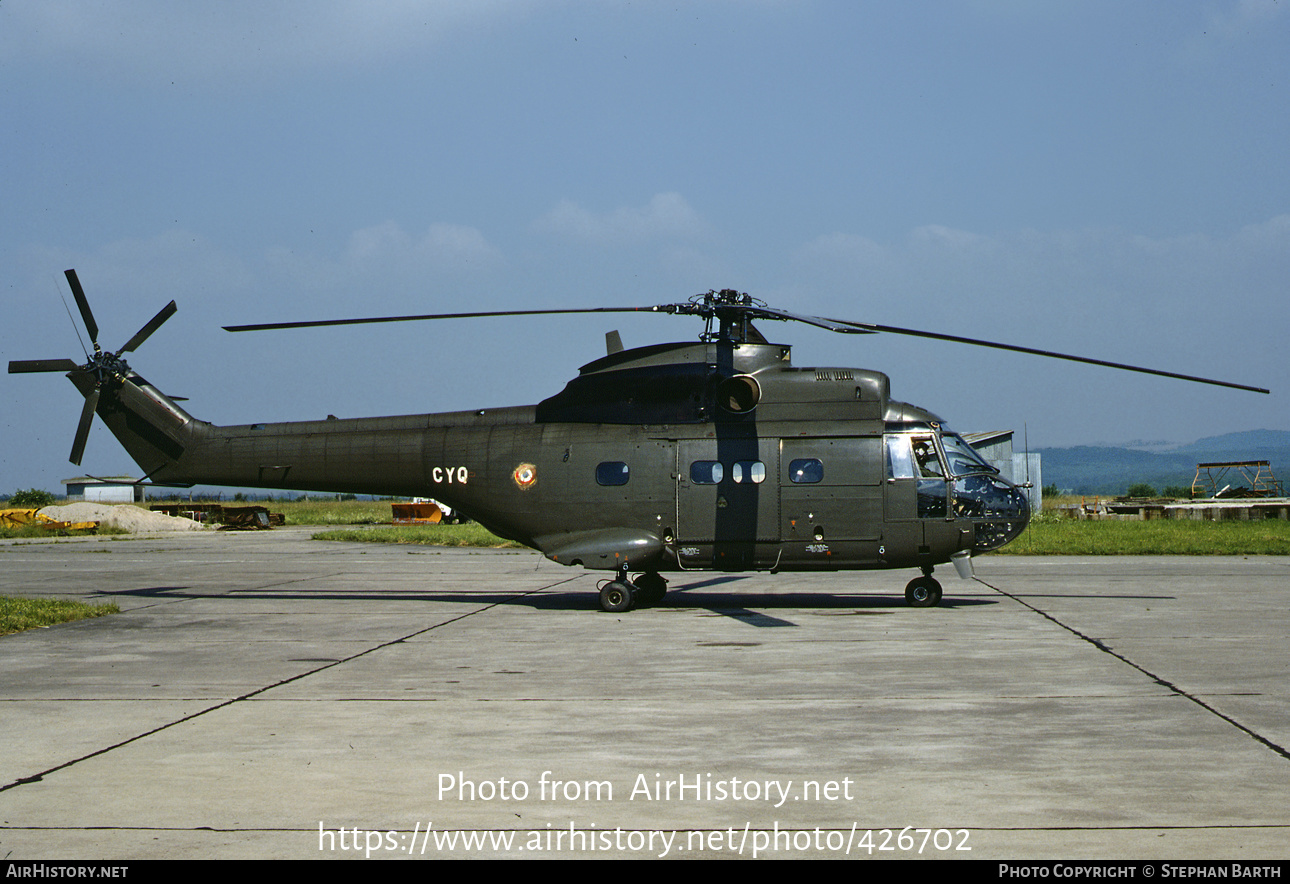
pixel 151 427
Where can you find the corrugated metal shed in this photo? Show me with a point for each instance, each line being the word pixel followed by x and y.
pixel 105 489
pixel 1019 468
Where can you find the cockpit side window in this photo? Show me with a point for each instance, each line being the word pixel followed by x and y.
pixel 900 460
pixel 925 456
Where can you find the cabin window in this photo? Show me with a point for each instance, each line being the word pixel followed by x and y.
pixel 612 472
pixel 806 471
pixel 706 472
pixel 753 471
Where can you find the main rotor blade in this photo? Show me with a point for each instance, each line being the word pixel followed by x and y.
pixel 79 294
pixel 891 329
pixel 729 309
pixel 153 324
pixel 846 328
pixel 270 326
pixel 18 366
pixel 83 428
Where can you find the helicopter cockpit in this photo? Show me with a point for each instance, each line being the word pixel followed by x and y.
pixel 955 482
pixel 998 508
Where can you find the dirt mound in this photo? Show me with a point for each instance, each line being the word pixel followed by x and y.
pixel 122 516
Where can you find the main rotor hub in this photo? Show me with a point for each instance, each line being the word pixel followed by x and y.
pixel 733 311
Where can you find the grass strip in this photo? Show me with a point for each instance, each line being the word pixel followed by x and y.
pixel 1165 537
pixel 17 614
pixel 470 534
pixel 1065 537
pixel 1048 534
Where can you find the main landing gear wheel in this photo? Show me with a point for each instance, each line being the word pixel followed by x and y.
pixel 650 589
pixel 617 596
pixel 923 592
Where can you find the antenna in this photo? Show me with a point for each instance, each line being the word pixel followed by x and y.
pixel 1025 429
pixel 1030 488
pixel 72 320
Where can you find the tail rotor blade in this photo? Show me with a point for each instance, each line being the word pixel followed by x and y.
pixel 21 366
pixel 153 324
pixel 83 429
pixel 86 314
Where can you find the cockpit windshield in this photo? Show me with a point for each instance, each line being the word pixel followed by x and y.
pixel 963 458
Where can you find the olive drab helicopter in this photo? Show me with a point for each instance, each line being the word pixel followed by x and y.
pixel 716 454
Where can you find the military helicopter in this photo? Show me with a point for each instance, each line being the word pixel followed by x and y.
pixel 710 455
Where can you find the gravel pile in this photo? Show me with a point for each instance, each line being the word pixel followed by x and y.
pixel 123 516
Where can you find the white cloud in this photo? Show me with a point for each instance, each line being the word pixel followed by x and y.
pixel 1093 278
pixel 375 243
pixel 932 242
pixel 846 248
pixel 457 243
pixel 382 264
pixel 1249 14
pixel 442 245
pixel 151 269
pixel 1272 235
pixel 1059 249
pixel 665 216
pixel 941 237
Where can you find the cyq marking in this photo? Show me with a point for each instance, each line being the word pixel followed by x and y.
pixel 439 475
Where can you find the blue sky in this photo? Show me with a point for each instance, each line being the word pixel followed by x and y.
pixel 1103 178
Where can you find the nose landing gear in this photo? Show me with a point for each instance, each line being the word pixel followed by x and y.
pixel 923 592
pixel 622 594
pixel 617 596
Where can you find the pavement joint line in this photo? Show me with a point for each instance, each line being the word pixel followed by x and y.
pixel 38 777
pixel 1101 646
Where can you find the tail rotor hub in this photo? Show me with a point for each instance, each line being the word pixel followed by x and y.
pixel 105 365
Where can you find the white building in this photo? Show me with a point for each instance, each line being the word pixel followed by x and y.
pixel 108 489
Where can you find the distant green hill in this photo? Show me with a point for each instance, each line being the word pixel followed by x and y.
pixel 1089 469
pixel 1255 444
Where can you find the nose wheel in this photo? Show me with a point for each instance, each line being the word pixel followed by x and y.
pixel 617 596
pixel 622 594
pixel 923 592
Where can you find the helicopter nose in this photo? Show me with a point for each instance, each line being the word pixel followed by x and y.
pixel 997 507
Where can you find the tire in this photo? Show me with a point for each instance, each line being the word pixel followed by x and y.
pixel 923 592
pixel 650 589
pixel 617 597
